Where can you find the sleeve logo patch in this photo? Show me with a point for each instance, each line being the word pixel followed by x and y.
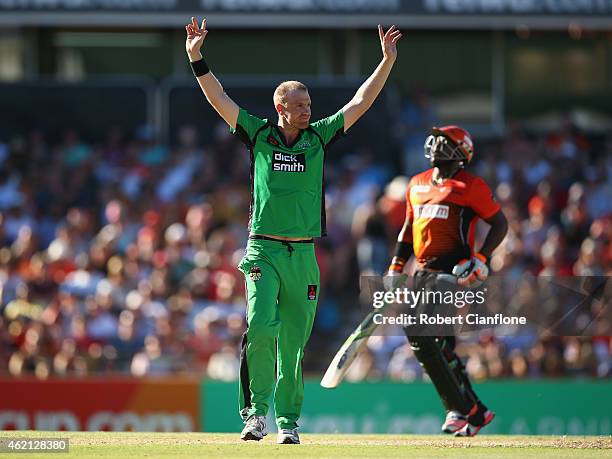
pixel 312 292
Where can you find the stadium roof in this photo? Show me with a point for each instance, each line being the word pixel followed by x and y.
pixel 443 14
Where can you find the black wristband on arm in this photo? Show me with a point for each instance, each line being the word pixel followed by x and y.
pixel 199 68
pixel 403 252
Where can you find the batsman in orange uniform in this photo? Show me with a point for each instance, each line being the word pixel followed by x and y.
pixel 443 206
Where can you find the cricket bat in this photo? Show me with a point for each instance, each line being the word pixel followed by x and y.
pixel 349 350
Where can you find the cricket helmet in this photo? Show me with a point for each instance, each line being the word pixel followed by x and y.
pixel 449 143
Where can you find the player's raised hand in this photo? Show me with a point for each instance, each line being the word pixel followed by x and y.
pixel 388 41
pixel 195 38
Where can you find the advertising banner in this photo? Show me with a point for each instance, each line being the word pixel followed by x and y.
pixel 181 405
pixel 529 408
pixel 151 405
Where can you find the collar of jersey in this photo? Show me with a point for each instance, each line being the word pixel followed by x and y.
pixel 281 137
pixel 447 180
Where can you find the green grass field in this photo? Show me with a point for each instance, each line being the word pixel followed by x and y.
pixel 203 445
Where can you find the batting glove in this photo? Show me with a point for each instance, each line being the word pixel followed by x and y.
pixel 394 278
pixel 473 272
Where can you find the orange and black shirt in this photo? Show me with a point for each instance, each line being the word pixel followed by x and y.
pixel 443 217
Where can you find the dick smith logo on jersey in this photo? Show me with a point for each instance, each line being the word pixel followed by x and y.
pixel 431 211
pixel 282 162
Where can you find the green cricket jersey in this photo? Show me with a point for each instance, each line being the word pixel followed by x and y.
pixel 287 194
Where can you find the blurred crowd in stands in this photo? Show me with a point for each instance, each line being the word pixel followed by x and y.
pixel 121 256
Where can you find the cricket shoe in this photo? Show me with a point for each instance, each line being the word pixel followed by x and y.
pixel 470 430
pixel 288 437
pixel 255 428
pixel 455 421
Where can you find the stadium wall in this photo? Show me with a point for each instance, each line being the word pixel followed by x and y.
pixel 529 408
pixel 551 407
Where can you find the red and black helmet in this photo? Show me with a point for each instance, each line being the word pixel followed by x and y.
pixel 449 143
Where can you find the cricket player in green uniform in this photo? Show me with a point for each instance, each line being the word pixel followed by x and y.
pixel 287 212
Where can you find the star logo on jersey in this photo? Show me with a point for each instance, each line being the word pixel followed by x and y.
pixel 255 273
pixel 272 141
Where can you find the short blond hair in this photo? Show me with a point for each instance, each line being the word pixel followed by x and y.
pixel 281 91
